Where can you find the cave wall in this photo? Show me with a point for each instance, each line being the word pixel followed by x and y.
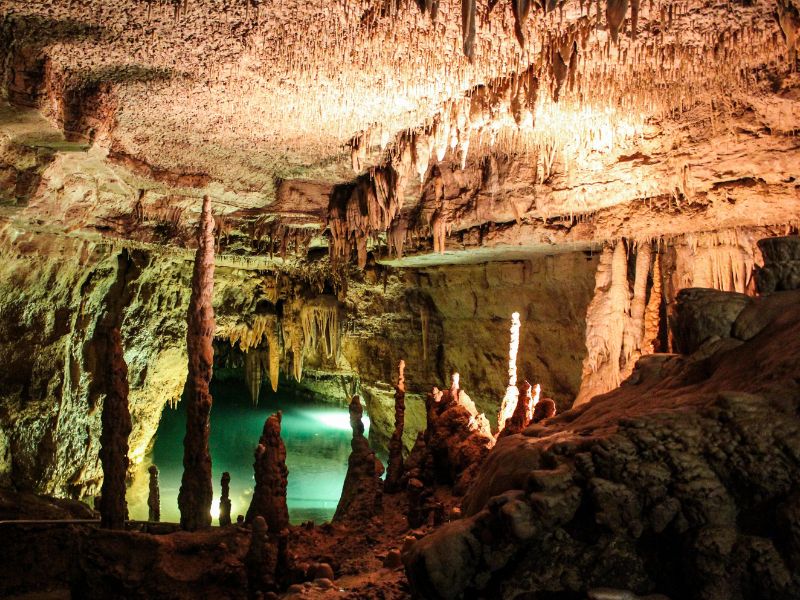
pixel 54 293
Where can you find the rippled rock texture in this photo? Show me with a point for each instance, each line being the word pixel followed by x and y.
pixel 683 481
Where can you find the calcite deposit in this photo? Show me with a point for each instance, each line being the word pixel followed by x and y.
pixel 116 421
pixel 588 211
pixel 194 499
pixel 269 496
pixel 362 492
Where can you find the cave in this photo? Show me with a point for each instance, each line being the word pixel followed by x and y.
pixel 384 300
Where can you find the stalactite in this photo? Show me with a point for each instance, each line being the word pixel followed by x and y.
pixel 468 25
pixel 634 326
pixel 225 500
pixel 520 8
pixel 394 469
pixel 116 427
pixel 275 352
pixel 652 313
pixel 194 498
pixel 153 496
pixel 605 324
pixel 269 495
pixel 252 373
pixel 509 403
pixel 615 16
pixel 788 17
pixel 425 320
pixel 321 329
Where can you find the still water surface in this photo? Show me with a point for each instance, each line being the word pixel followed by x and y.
pixel 317 438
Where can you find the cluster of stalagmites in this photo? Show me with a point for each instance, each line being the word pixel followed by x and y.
pixel 684 481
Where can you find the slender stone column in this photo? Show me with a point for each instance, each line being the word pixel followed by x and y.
pixel 194 499
pixel 116 422
pixel 394 470
pixel 271 475
pixel 154 497
pixel 225 500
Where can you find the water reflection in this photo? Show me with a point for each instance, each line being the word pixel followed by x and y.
pixel 317 438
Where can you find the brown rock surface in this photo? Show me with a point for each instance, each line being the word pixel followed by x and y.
pixel 194 499
pixel 269 496
pixel 362 491
pixel 675 482
pixel 116 420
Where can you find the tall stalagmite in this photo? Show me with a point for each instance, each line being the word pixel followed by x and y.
pixel 362 496
pixel 194 499
pixel 116 419
pixel 271 474
pixel 394 470
pixel 225 500
pixel 154 496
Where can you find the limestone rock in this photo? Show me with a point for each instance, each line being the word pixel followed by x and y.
pixel 271 476
pixel 362 491
pixel 781 270
pixel 675 470
pixel 703 313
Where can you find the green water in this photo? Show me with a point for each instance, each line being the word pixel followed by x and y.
pixel 317 438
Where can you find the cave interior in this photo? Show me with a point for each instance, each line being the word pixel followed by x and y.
pixel 391 299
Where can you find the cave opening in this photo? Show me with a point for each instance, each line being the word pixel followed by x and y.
pixel 317 436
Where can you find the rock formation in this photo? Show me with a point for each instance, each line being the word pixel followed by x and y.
pixel 153 496
pixel 225 500
pixel 362 491
pixel 521 416
pixel 394 469
pixel 269 495
pixel 194 499
pixel 114 437
pixel 261 559
pixel 668 487
pixel 781 270
pixel 458 437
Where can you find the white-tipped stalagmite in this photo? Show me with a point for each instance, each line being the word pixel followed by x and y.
pixel 511 396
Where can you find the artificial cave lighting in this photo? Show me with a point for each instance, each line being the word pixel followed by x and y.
pixel 263 267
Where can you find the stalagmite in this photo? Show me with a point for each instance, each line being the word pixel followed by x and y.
pixel 509 402
pixel 394 469
pixel 425 321
pixel 362 492
pixel 116 422
pixel 194 499
pixel 263 559
pixel 225 500
pixel 522 412
pixel 271 475
pixel 153 496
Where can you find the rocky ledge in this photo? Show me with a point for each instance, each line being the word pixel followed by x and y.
pixel 684 481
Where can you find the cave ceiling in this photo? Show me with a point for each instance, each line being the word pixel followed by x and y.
pixel 583 122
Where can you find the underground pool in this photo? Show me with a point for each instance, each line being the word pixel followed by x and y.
pixel 317 437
